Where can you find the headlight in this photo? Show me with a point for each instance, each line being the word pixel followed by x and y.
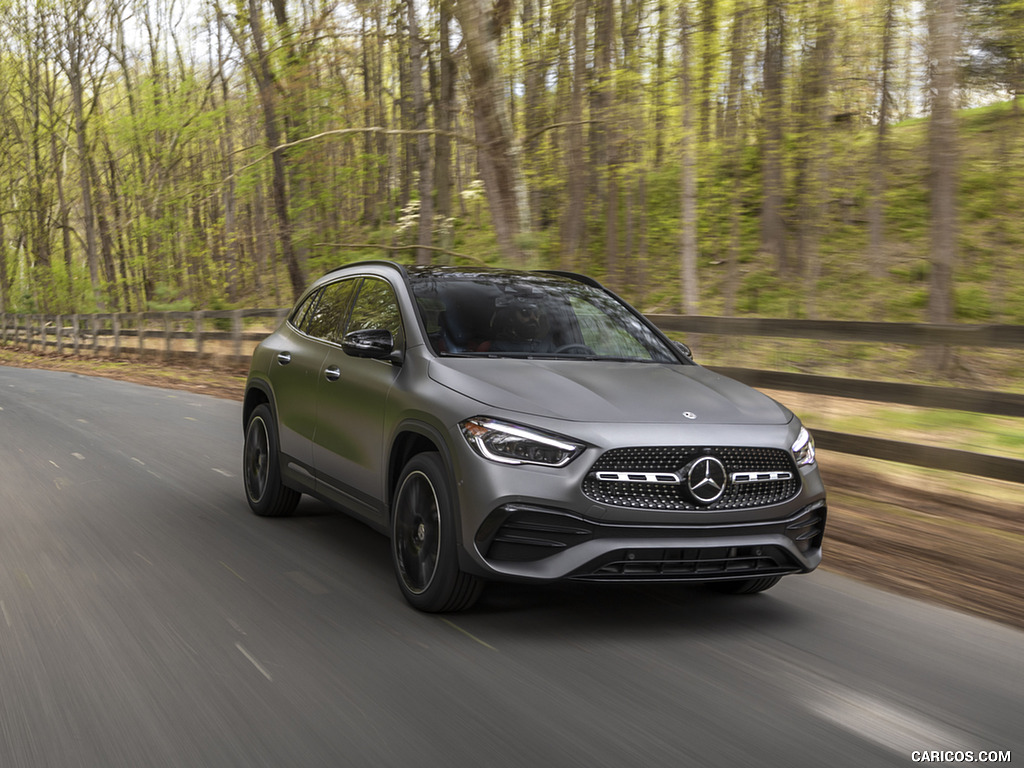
pixel 511 444
pixel 803 448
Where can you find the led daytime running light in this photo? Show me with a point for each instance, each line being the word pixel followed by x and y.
pixel 487 436
pixel 803 448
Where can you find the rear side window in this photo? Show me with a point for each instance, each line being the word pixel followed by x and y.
pixel 300 314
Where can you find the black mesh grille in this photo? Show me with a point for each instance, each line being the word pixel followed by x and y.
pixel 676 496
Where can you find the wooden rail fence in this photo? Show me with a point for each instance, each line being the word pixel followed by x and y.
pixel 230 335
pixel 219 334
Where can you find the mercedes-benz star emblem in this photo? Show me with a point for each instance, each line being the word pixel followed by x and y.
pixel 706 478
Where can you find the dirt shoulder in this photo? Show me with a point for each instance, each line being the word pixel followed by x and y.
pixel 886 529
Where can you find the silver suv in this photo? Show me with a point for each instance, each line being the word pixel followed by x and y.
pixel 525 426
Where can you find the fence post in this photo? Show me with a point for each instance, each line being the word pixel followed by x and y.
pixel 74 330
pixel 116 321
pixel 60 335
pixel 197 319
pixel 139 322
pixel 167 336
pixel 95 334
pixel 236 331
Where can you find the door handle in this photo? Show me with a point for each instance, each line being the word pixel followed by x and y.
pixel 332 372
pixel 284 357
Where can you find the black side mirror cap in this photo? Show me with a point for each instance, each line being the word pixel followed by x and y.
pixel 374 343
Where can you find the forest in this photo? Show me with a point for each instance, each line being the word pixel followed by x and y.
pixel 846 159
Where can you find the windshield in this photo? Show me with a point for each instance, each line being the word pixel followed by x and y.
pixel 508 314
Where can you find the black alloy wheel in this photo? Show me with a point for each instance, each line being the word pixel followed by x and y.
pixel 261 471
pixel 423 540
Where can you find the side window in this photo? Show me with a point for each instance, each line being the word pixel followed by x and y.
pixel 326 319
pixel 299 316
pixel 376 307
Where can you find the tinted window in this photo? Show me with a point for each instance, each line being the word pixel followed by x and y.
pixel 326 318
pixel 299 316
pixel 522 314
pixel 376 307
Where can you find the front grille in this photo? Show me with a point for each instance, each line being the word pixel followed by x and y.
pixel 694 564
pixel 675 496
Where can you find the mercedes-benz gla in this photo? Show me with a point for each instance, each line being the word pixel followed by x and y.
pixel 513 425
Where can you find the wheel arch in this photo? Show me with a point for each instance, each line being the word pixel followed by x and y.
pixel 412 438
pixel 256 394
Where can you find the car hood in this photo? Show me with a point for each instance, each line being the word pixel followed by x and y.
pixel 606 391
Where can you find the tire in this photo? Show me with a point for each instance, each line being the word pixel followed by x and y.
pixel 261 468
pixel 746 586
pixel 423 541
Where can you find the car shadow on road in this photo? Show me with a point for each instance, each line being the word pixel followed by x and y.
pixel 348 545
pixel 628 608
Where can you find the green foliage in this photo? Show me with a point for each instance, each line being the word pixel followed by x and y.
pixel 168 299
pixel 182 178
pixel 972 304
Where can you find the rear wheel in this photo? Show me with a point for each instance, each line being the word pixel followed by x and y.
pixel 261 468
pixel 423 541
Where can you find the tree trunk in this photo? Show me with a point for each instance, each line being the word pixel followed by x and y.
pixel 737 65
pixel 444 106
pixel 658 109
pixel 733 136
pixel 534 117
pixel 879 173
pixel 272 130
pixel 942 157
pixel 5 284
pixel 573 223
pixel 425 235
pixel 498 150
pixel 812 154
pixel 688 198
pixel 85 177
pixel 231 234
pixel 708 65
pixel 773 234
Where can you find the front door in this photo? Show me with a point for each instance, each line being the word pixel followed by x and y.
pixel 351 397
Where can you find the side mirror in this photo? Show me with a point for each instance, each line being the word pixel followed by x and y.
pixel 683 349
pixel 374 343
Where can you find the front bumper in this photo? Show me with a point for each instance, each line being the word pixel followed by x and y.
pixel 521 541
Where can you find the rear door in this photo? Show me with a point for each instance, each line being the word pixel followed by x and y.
pixel 298 354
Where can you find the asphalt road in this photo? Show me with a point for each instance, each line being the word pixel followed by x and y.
pixel 148 619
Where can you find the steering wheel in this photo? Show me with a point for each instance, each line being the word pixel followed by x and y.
pixel 581 349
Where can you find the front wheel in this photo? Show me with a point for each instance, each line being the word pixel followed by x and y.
pixel 261 468
pixel 423 541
